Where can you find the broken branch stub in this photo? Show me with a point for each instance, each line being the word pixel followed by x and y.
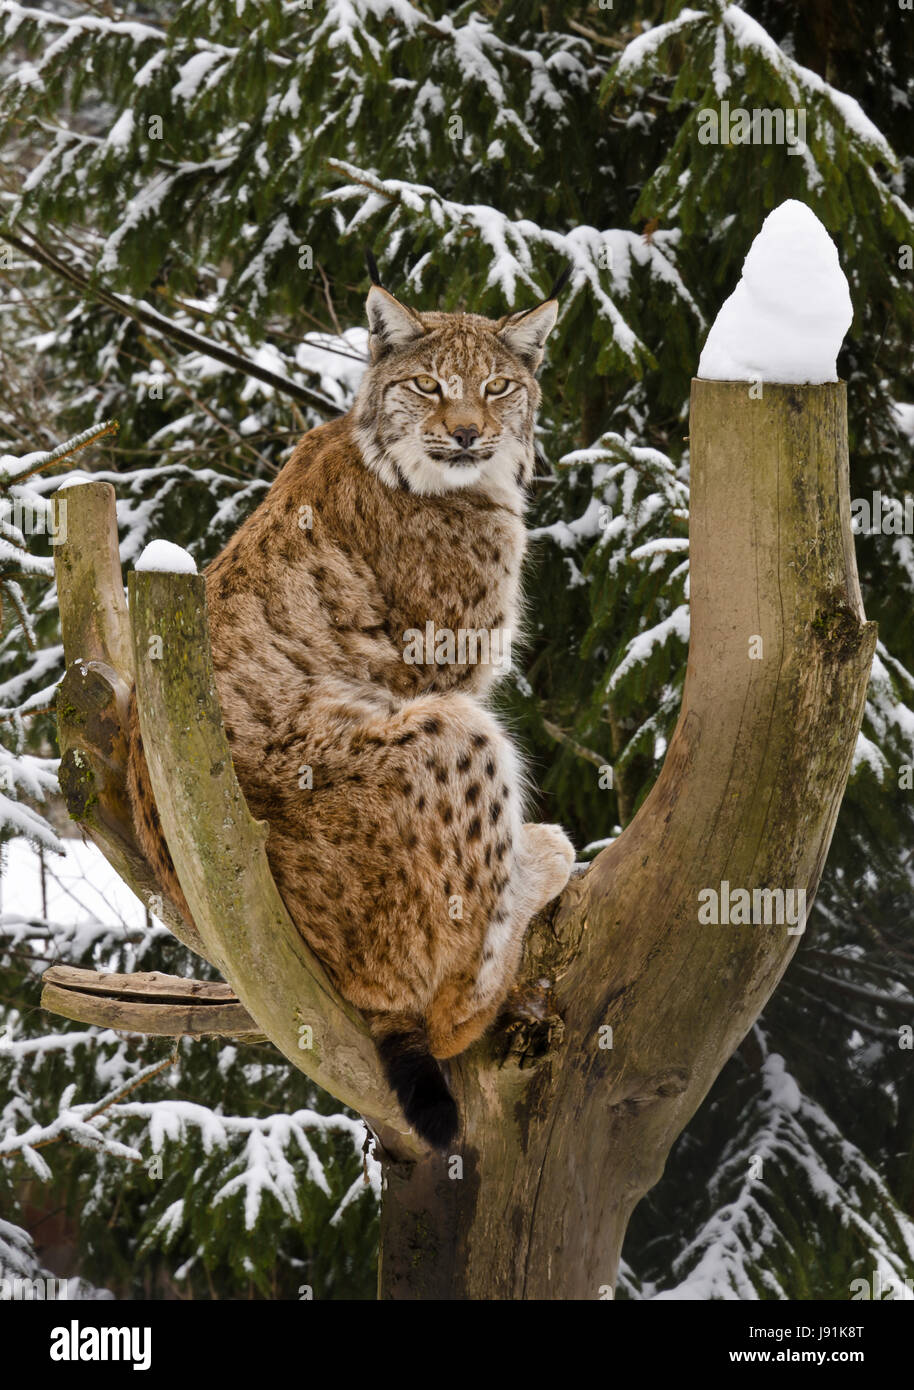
pixel 147 1002
pixel 220 857
pixel 90 589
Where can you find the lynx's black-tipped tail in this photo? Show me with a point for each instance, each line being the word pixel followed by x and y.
pixel 416 1079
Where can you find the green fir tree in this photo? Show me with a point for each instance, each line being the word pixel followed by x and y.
pixel 186 195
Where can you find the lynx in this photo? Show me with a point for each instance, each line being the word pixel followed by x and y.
pixel 393 796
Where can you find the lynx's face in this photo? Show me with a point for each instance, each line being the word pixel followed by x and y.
pixel 449 400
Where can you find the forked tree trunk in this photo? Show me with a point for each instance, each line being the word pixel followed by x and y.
pixel 556 1156
pixel 566 1128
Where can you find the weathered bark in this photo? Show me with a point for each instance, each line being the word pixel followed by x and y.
pixel 567 1126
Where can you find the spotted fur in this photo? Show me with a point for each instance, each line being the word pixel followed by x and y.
pixel 393 796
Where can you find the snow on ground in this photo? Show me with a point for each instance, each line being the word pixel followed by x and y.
pixel 787 317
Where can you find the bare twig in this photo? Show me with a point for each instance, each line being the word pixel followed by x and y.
pixel 604 39
pixel 68 448
pixel 588 754
pixel 158 323
pixel 329 299
pixel 207 410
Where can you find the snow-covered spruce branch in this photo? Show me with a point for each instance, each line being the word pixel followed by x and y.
pixel 738 39
pixel 595 257
pixel 80 1124
pixel 87 938
pixel 637 497
pixel 785 1147
pixel 264 1165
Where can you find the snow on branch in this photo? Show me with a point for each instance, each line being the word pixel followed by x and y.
pixel 81 1124
pixel 737 40
pixel 602 262
pixel 264 1163
pixel 478 52
pixel 14 15
pixel 174 329
pixel 785 1149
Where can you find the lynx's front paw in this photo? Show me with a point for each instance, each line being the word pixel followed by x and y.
pixel 548 857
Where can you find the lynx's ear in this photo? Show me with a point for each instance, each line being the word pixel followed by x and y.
pixel 525 334
pixel 390 323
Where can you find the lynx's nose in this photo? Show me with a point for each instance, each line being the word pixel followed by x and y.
pixel 465 434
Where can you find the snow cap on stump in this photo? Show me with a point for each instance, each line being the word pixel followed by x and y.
pixel 167 557
pixel 787 317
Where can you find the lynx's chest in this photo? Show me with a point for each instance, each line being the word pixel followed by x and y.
pixel 380 585
pixel 451 579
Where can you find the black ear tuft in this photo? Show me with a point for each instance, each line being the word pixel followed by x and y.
pixel 372 268
pixel 557 288
pixel 560 283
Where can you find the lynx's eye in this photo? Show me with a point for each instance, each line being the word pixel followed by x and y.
pixel 498 386
pixel 426 384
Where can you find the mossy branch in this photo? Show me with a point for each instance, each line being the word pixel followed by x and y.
pixel 92 697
